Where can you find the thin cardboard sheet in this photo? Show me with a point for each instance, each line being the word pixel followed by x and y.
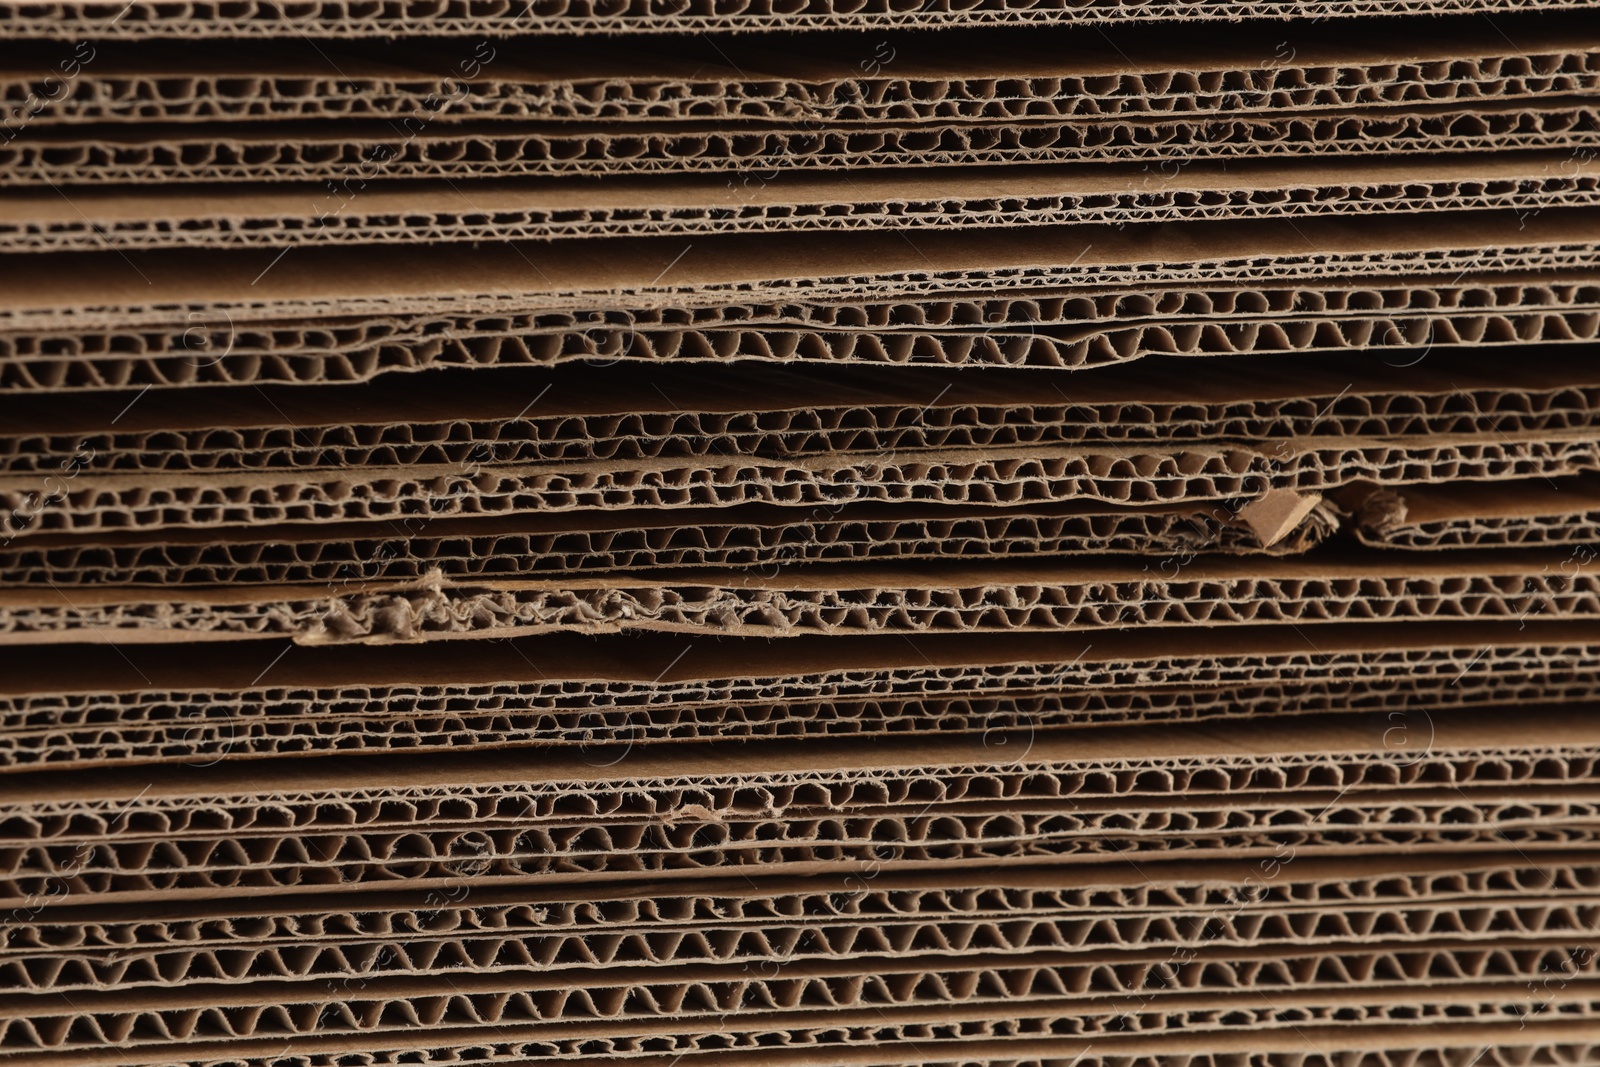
pixel 184 704
pixel 285 214
pixel 818 79
pixel 1100 912
pixel 1564 512
pixel 800 271
pixel 946 597
pixel 357 152
pixel 1243 790
pixel 111 19
pixel 1225 475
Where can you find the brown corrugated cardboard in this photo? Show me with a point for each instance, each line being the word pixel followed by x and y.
pixel 1386 1035
pixel 703 997
pixel 185 705
pixel 359 152
pixel 1250 790
pixel 804 273
pixel 908 599
pixel 1108 474
pixel 581 413
pixel 352 717
pixel 761 538
pixel 112 19
pixel 70 323
pixel 1564 512
pixel 1522 185
pixel 1044 74
pixel 812 440
pixel 1180 908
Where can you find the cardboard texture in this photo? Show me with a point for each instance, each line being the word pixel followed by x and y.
pixel 1038 74
pixel 608 698
pixel 154 156
pixel 75 19
pixel 910 599
pixel 431 212
pixel 968 535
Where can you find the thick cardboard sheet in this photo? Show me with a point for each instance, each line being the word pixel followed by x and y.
pixel 615 542
pixel 1402 319
pixel 1229 789
pixel 1388 1036
pixel 641 671
pixel 319 445
pixel 1388 1039
pixel 345 316
pixel 699 997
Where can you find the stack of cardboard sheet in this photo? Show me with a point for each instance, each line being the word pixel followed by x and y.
pixel 693 533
